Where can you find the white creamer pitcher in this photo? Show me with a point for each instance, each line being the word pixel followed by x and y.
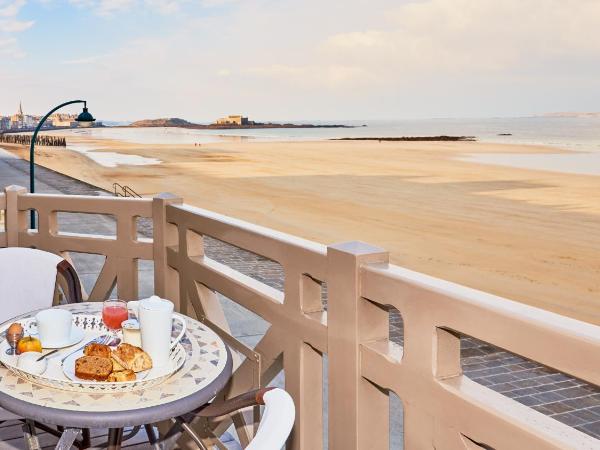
pixel 156 317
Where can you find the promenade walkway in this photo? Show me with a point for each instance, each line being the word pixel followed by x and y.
pixel 564 398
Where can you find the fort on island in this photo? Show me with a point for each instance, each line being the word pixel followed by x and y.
pixel 233 120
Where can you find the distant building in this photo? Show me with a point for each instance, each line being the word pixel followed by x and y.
pixel 21 120
pixel 233 120
pixel 63 120
pixel 17 120
pixel 4 123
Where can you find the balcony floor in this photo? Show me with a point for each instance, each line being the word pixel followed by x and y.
pixel 11 437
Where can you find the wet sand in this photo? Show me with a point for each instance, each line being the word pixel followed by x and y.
pixel 524 234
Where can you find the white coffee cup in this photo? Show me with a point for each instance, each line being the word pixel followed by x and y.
pixel 156 317
pixel 54 326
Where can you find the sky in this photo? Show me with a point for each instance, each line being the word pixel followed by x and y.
pixel 301 59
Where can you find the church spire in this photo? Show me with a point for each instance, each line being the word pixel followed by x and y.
pixel 20 108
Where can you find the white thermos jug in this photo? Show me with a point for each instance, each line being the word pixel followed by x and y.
pixel 156 317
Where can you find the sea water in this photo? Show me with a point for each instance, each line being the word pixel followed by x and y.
pixel 581 135
pixel 112 159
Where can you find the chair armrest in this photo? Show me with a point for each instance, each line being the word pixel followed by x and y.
pixel 67 271
pixel 251 398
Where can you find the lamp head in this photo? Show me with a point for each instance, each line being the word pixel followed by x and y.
pixel 85 119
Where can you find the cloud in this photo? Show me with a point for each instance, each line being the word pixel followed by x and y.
pixel 104 7
pixel 333 76
pixel 7 43
pixel 14 26
pixel 10 8
pixel 474 35
pixel 359 39
pixel 165 6
pixel 312 59
pixel 110 7
pixel 10 25
pixel 212 3
pixel 85 60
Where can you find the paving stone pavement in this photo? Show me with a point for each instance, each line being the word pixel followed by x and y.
pixel 557 395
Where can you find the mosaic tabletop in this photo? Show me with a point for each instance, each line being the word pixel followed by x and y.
pixel 207 359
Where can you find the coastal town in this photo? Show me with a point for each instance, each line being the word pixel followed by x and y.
pixel 19 121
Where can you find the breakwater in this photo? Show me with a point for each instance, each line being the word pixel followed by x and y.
pixel 409 138
pixel 23 139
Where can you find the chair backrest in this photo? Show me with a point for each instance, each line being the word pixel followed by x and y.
pixel 27 280
pixel 276 423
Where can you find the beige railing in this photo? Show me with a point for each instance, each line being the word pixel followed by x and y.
pixel 297 337
pixel 122 251
pixel 2 220
pixel 443 409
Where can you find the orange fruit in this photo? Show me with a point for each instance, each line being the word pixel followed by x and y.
pixel 29 344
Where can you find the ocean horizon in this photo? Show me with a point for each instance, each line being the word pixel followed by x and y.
pixel 573 133
pixel 580 135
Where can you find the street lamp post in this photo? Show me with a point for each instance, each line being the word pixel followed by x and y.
pixel 85 119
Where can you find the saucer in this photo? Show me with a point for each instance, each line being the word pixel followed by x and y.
pixel 77 335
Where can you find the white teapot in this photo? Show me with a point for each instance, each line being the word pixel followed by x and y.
pixel 156 317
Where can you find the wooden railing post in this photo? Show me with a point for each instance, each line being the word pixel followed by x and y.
pixel 358 411
pixel 16 221
pixel 166 280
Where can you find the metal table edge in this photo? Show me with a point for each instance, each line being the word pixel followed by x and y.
pixel 118 419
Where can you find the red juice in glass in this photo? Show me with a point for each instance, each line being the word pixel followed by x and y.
pixel 114 313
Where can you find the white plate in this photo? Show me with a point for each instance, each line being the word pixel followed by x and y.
pixel 68 367
pixel 76 337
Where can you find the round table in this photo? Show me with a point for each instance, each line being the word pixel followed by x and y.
pixel 205 372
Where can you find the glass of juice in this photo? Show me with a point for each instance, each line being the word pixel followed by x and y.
pixel 114 313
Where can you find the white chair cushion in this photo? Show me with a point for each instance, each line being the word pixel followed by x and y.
pixel 27 280
pixel 276 423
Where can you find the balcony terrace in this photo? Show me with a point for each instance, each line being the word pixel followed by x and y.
pixel 375 356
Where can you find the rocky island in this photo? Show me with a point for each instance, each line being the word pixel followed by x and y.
pixel 167 122
pixel 228 123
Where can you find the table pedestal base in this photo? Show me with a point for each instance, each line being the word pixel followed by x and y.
pixel 115 438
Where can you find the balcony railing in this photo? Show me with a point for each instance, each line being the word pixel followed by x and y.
pixel 443 408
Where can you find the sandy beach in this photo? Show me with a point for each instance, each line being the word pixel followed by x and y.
pixel 524 234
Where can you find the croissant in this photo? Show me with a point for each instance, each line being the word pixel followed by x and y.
pixel 132 358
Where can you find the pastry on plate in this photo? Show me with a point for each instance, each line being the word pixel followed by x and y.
pixel 94 368
pixel 116 366
pixel 132 358
pixel 97 350
pixel 122 375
